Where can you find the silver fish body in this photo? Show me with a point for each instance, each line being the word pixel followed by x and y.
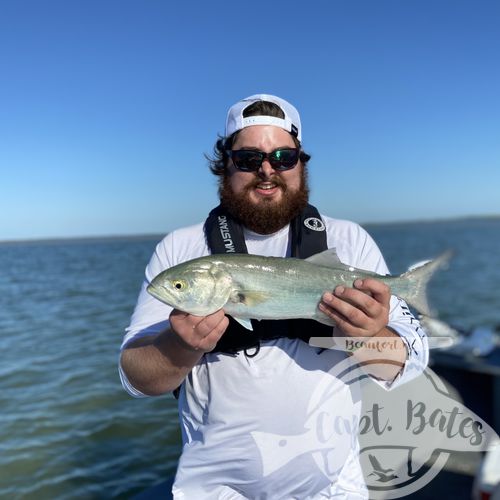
pixel 255 287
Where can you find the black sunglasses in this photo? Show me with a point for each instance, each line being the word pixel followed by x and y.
pixel 250 160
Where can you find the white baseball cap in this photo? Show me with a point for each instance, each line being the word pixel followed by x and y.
pixel 236 121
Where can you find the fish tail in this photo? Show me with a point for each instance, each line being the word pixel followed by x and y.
pixel 418 278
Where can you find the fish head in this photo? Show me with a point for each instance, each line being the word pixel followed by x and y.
pixel 198 287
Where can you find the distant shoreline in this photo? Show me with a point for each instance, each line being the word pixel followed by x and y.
pixel 84 239
pixel 159 236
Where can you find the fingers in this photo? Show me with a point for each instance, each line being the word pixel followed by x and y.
pixel 375 288
pixel 348 318
pixel 199 333
pixel 359 311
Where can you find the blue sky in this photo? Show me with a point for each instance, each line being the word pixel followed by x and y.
pixel 107 107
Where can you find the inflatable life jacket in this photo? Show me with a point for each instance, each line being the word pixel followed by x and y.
pixel 225 235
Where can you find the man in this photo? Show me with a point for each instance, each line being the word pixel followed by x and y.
pixel 258 410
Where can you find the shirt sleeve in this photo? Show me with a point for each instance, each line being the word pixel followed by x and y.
pixel 404 323
pixel 150 316
pixel 357 248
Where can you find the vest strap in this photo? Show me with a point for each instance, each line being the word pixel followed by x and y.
pixel 308 237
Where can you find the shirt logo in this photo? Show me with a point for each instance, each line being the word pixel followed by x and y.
pixel 315 224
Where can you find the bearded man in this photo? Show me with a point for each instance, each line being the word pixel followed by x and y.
pixel 252 419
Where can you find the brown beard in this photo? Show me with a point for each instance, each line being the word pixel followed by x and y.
pixel 268 216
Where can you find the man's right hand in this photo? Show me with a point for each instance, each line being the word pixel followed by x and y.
pixel 198 333
pixel 159 364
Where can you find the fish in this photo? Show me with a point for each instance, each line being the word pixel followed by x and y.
pixel 250 286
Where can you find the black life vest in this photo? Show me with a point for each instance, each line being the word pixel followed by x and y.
pixel 225 235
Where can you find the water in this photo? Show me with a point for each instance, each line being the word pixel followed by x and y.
pixel 68 430
pixel 467 294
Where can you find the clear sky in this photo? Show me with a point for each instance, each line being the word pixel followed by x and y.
pixel 108 106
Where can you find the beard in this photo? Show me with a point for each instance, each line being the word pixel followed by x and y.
pixel 268 216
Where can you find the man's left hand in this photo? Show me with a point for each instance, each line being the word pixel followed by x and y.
pixel 361 311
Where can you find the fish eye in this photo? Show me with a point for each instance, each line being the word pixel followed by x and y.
pixel 179 285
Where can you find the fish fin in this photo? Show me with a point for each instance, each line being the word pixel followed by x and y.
pixel 245 322
pixel 419 277
pixel 329 258
pixel 248 298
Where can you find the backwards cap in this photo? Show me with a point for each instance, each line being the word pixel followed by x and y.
pixel 236 121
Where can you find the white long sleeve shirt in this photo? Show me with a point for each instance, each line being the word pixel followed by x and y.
pixel 282 424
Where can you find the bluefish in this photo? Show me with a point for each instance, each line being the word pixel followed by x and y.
pixel 254 287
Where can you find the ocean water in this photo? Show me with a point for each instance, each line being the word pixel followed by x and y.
pixel 67 428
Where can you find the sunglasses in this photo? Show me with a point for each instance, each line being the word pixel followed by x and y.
pixel 250 160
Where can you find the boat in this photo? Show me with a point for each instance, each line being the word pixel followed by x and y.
pixel 471 365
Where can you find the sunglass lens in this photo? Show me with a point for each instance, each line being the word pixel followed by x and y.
pixel 247 160
pixel 284 158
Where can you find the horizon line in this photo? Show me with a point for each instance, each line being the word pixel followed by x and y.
pixel 139 236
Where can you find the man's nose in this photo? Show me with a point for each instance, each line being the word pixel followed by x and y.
pixel 266 169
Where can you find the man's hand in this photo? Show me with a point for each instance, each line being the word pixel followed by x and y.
pixel 159 364
pixel 361 311
pixel 198 333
